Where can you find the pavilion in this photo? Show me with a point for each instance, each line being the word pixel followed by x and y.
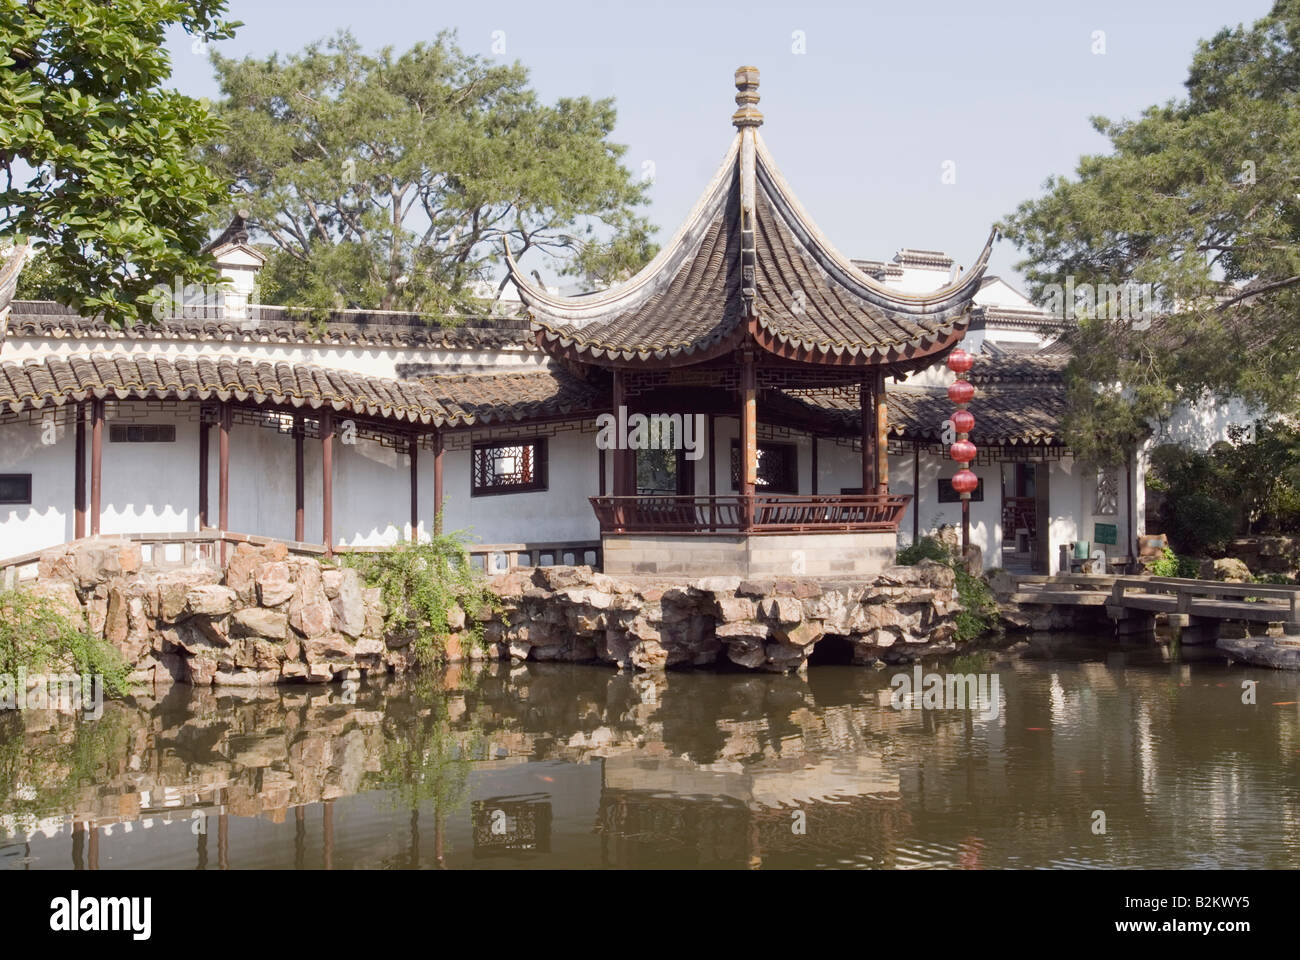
pixel 748 305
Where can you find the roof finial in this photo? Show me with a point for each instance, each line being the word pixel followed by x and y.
pixel 747 99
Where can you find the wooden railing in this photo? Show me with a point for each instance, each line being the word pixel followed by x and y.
pixel 763 513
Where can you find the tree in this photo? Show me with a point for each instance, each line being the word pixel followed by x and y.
pixel 99 161
pixel 1198 204
pixel 393 179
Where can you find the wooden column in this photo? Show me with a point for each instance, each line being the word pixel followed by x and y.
pixel 299 479
pixel 327 479
pixel 621 472
pixel 600 463
pixel 96 465
pixel 437 481
pixel 414 448
pixel 223 476
pixel 882 435
pixel 813 491
pixel 916 491
pixel 205 433
pixel 870 425
pixel 748 436
pixel 79 470
pixel 713 470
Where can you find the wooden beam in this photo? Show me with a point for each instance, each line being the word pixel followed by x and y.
pixel 437 481
pixel 327 479
pixel 413 448
pixel 96 464
pixel 79 474
pixel 299 479
pixel 205 430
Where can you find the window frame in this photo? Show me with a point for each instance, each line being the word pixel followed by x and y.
pixel 791 479
pixel 539 483
pixel 123 431
pixel 17 476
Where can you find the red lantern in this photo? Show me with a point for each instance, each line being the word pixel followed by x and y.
pixel 963 421
pixel 959 361
pixel 961 391
pixel 964 481
pixel 963 451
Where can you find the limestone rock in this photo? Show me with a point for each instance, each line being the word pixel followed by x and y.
pixel 347 604
pixel 210 600
pixel 1230 570
pixel 260 622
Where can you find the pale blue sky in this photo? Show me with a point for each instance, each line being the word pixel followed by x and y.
pixel 860 124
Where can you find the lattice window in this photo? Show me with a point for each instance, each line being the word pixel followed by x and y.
pixel 778 467
pixel 515 467
pixel 1107 492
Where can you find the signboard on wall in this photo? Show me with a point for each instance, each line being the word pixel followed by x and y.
pixel 1106 533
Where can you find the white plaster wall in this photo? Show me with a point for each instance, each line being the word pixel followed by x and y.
pixel 1065 501
pixel 262 483
pixel 48 520
pixel 148 487
pixel 561 512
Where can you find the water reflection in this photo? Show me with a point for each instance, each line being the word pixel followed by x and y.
pixel 493 766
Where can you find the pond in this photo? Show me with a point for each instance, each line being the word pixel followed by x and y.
pixel 1093 755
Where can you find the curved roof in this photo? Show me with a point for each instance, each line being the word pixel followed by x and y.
pixel 750 263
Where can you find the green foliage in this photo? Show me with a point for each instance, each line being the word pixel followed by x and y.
pixel 1170 564
pixel 1249 483
pixel 393 179
pixel 420 584
pixel 1196 198
pixel 36 635
pixel 99 160
pixel 979 613
pixel 926 548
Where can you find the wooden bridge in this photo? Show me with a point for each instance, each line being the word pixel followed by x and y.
pixel 1195 607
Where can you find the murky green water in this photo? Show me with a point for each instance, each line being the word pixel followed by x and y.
pixel 578 766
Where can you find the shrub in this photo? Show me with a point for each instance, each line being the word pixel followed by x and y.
pixel 979 613
pixel 420 583
pixel 37 636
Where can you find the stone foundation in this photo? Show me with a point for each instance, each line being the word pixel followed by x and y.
pixel 272 617
pixel 841 555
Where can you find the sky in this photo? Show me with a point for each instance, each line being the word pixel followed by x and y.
pixel 869 107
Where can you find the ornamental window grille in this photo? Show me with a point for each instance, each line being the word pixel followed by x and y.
pixel 516 466
pixel 1107 493
pixel 15 488
pixel 778 468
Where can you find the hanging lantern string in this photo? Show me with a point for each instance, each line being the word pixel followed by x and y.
pixel 960 392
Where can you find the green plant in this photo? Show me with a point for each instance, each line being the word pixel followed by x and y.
pixel 420 583
pixel 979 609
pixel 37 635
pixel 926 548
